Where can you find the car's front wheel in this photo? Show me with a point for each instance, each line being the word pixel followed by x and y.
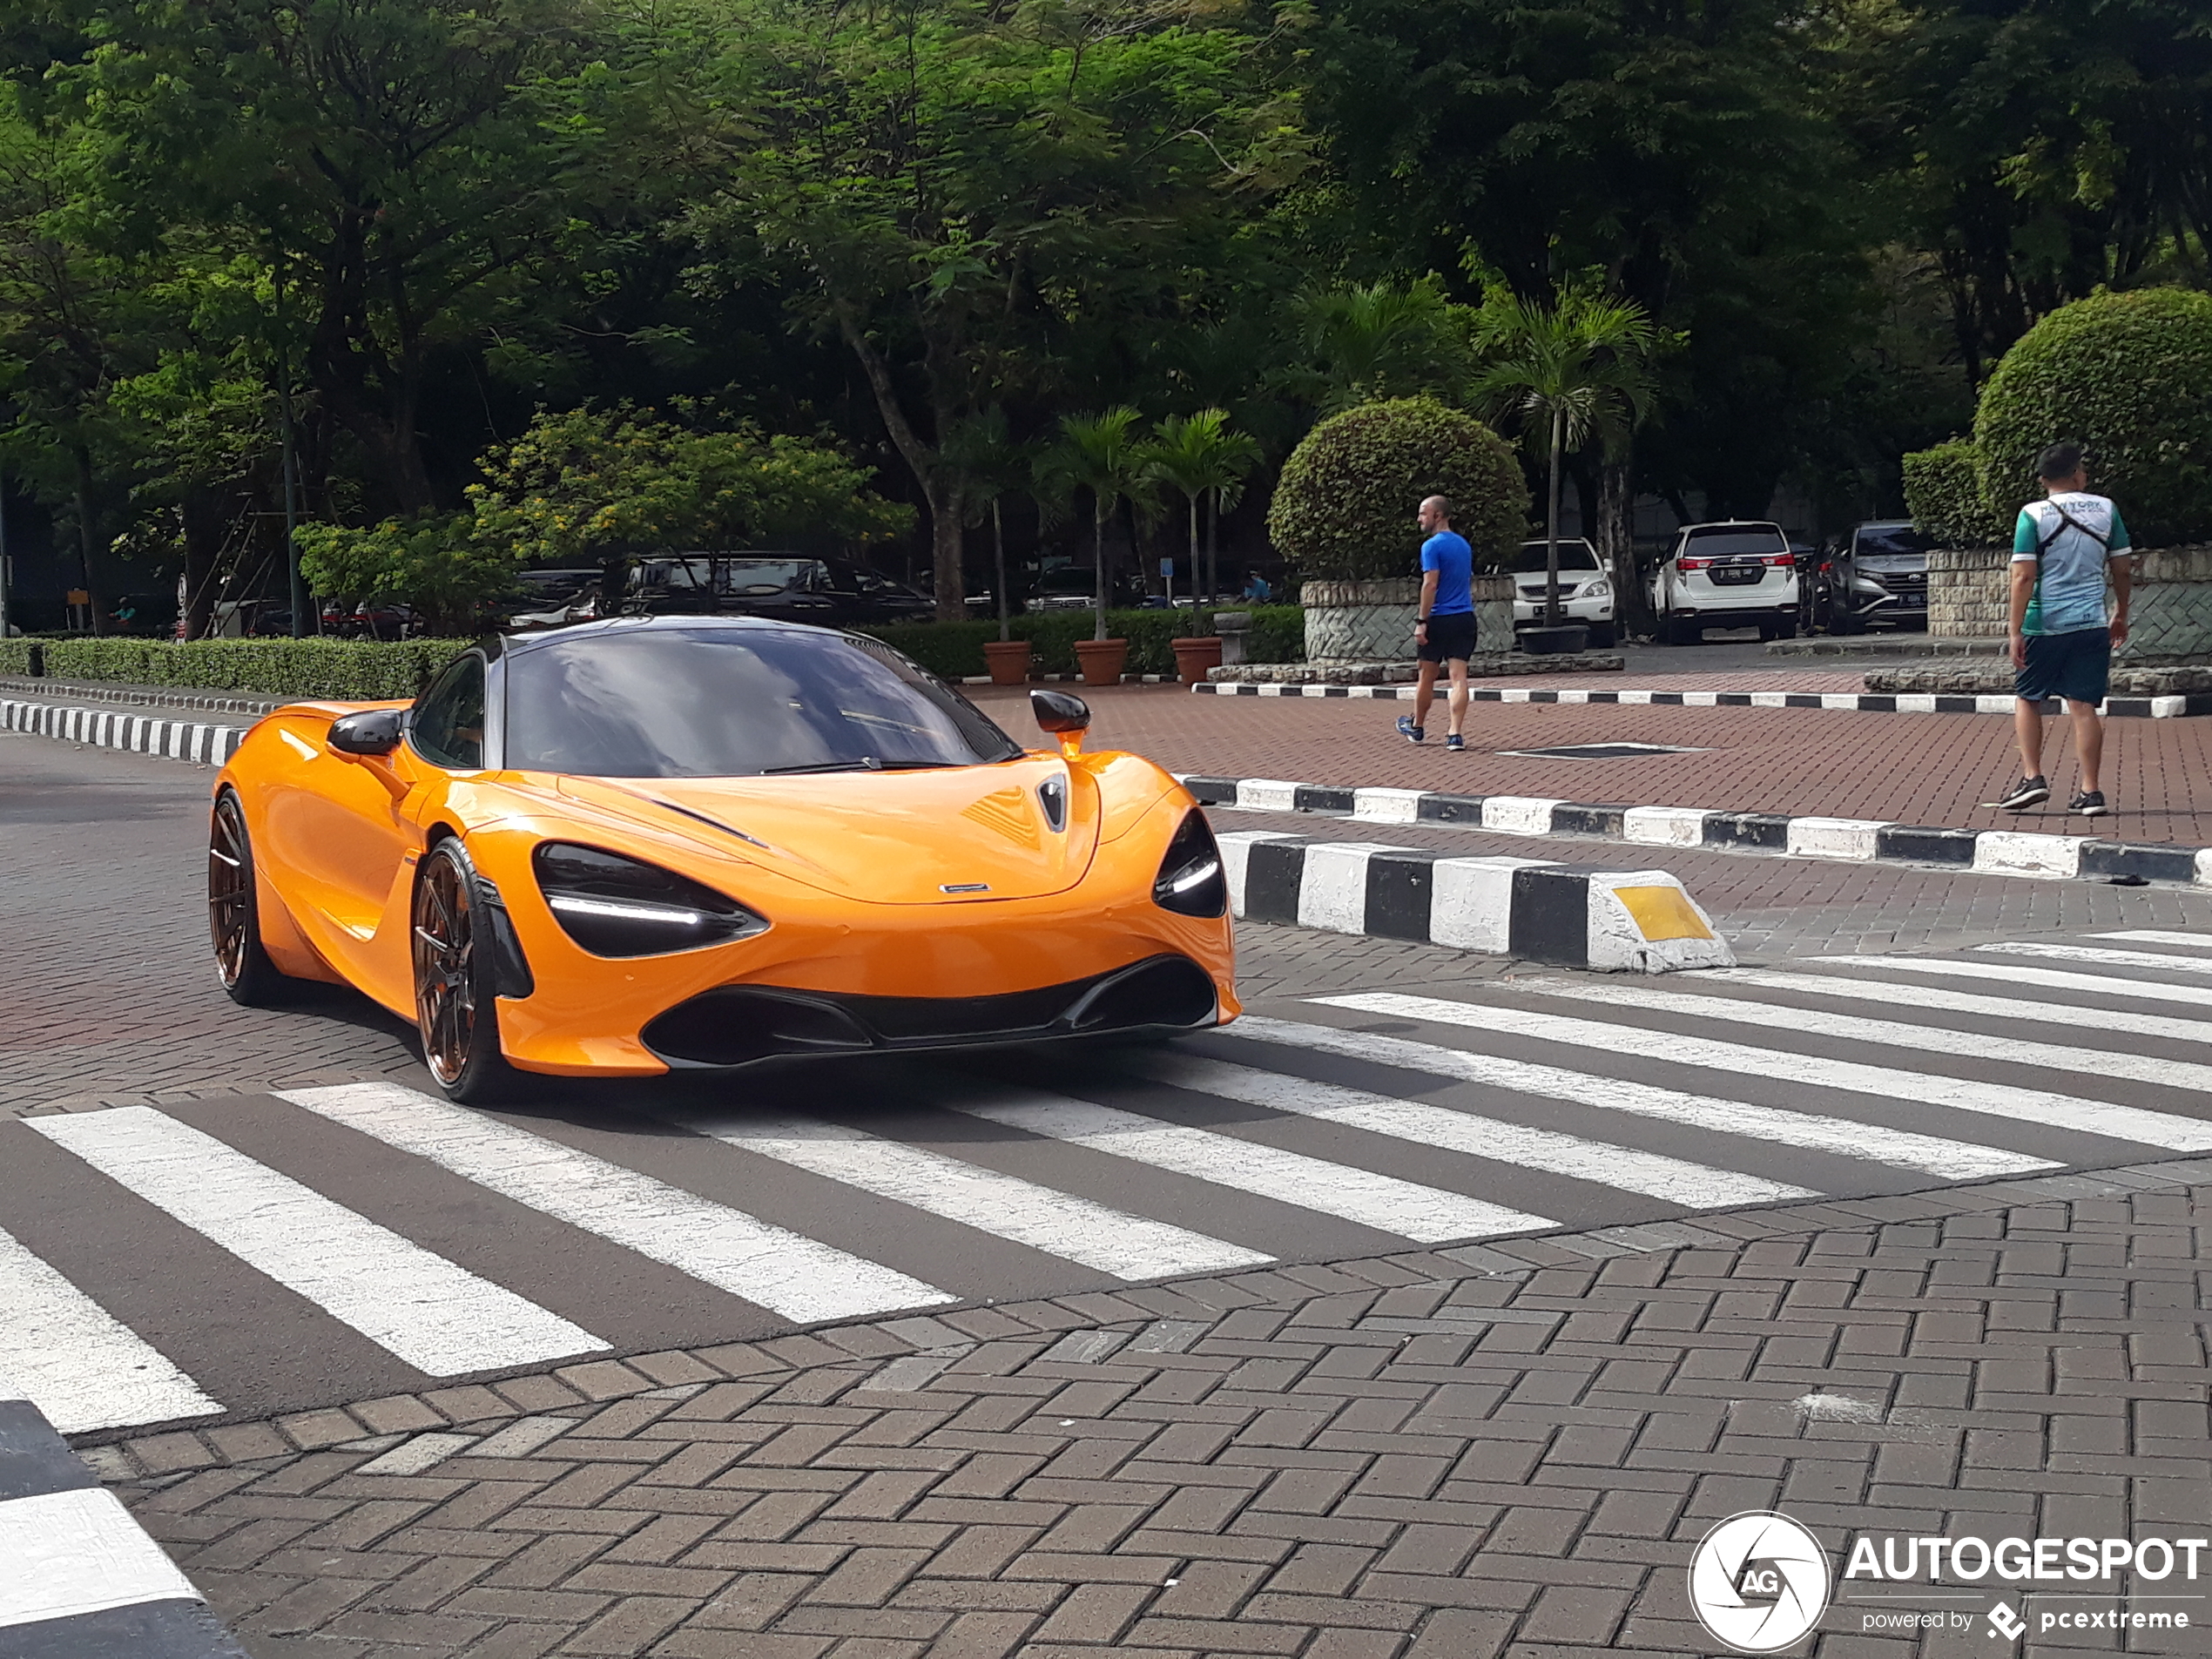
pixel 234 910
pixel 455 980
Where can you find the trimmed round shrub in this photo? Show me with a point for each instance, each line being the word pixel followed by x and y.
pixel 1943 491
pixel 1344 508
pixel 2128 376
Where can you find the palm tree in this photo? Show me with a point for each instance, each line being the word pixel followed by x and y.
pixel 1202 457
pixel 994 466
pixel 1377 340
pixel 1103 454
pixel 1575 366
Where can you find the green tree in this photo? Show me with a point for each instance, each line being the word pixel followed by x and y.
pixel 1103 455
pixel 1367 342
pixel 992 465
pixel 1205 459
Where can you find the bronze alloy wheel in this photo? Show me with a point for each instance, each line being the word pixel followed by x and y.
pixel 454 993
pixel 233 920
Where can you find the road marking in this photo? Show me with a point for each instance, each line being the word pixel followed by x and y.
pixel 73 1553
pixel 1059 1223
pixel 784 1272
pixel 439 1318
pixel 74 1360
pixel 2092 954
pixel 2051 978
pixel 2025 1105
pixel 1694 1186
pixel 2155 936
pixel 1411 1211
pixel 1892 1034
pixel 1935 996
pixel 1932 1155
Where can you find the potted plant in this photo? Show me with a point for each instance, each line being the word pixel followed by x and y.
pixel 992 465
pixel 1104 455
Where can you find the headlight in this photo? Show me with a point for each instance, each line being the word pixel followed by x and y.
pixel 1189 882
pixel 614 905
pixel 1600 588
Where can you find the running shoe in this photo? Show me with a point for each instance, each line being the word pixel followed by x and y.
pixel 2090 803
pixel 1408 731
pixel 2029 791
pixel 1457 744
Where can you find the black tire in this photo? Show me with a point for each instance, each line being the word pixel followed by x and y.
pixel 1786 629
pixel 456 1009
pixel 234 911
pixel 1681 631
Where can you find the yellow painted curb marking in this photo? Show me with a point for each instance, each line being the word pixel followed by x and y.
pixel 1664 913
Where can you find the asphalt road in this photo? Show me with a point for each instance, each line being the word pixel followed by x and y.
pixel 242 1213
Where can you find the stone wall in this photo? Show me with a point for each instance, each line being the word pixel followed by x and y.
pixel 2169 614
pixel 1368 622
pixel 1967 592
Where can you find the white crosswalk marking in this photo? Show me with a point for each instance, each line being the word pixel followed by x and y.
pixel 439 1318
pixel 80 1365
pixel 2095 954
pixel 2055 979
pixel 2155 936
pixel 1776 1018
pixel 1843 987
pixel 1060 1224
pixel 784 1272
pixel 1694 1186
pixel 1405 1208
pixel 1885 1083
pixel 1947 1159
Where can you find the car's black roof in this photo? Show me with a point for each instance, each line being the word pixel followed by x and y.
pixel 656 624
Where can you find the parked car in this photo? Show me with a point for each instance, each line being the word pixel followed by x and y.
pixel 785 587
pixel 1585 591
pixel 1879 573
pixel 1736 574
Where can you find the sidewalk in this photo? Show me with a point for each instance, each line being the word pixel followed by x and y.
pixel 1924 769
pixel 1434 1455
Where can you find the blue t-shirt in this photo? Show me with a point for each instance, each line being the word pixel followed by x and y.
pixel 1448 555
pixel 2069 593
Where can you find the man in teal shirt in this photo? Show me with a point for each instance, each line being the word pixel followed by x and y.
pixel 2062 636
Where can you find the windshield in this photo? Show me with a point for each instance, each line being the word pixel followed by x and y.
pixel 726 703
pixel 1706 544
pixel 1572 556
pixel 1888 539
pixel 755 578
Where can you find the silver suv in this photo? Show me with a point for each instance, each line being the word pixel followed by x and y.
pixel 1880 575
pixel 1736 574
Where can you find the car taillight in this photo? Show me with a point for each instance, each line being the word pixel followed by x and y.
pixel 1826 565
pixel 614 905
pixel 1191 882
pixel 1691 564
pixel 1783 559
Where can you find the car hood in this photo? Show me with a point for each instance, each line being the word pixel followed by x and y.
pixel 888 837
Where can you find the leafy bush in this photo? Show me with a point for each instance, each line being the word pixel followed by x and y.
pixel 15 655
pixel 1343 509
pixel 2128 376
pixel 436 564
pixel 360 670
pixel 1943 492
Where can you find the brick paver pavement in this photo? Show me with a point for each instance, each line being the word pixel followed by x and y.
pixel 1933 769
pixel 1454 1455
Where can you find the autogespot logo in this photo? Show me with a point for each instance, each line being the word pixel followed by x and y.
pixel 1758 1582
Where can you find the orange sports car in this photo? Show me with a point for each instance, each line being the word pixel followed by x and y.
pixel 651 844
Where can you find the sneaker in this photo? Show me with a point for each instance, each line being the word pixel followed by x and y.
pixel 1408 731
pixel 1457 744
pixel 2089 803
pixel 2029 791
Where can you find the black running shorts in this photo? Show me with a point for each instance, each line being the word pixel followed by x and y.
pixel 1450 638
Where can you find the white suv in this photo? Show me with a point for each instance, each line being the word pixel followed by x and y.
pixel 1733 574
pixel 1585 592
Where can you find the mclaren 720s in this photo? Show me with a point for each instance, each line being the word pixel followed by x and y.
pixel 655 844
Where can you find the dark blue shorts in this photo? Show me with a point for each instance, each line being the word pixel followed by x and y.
pixel 2076 666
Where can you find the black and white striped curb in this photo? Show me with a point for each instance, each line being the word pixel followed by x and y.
pixel 1851 839
pixel 160 697
pixel 79 1579
pixel 1535 909
pixel 2154 708
pixel 208 744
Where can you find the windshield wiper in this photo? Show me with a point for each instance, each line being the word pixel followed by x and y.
pixel 868 763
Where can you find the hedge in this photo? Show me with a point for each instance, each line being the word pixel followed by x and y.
pixel 2128 376
pixel 1943 492
pixel 1344 508
pixel 350 670
pixel 955 650
pixel 15 655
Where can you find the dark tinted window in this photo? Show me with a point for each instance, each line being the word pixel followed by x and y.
pixel 1706 544
pixel 758 578
pixel 1889 538
pixel 722 703
pixel 1572 556
pixel 448 725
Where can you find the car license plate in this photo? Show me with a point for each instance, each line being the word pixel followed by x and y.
pixel 1912 601
pixel 1738 576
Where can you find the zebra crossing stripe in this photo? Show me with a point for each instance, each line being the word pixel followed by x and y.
pixel 2055 979
pixel 2024 1105
pixel 1889 1033
pixel 1845 988
pixel 1694 1186
pixel 77 1552
pixel 2156 936
pixel 1847 1137
pixel 79 1365
pixel 1059 1223
pixel 2097 954
pixel 786 1272
pixel 438 1317
pixel 1405 1208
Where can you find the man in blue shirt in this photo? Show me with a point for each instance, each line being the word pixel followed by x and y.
pixel 1444 623
pixel 2062 637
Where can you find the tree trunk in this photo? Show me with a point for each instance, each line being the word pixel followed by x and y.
pixel 203 521
pixel 1551 524
pixel 948 552
pixel 1195 576
pixel 1213 546
pixel 1616 548
pixel 998 575
pixel 1098 559
pixel 85 538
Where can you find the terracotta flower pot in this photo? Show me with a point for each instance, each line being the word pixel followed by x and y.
pixel 1009 660
pixel 1195 656
pixel 1102 660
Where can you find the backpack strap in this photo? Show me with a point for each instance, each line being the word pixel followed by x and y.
pixel 2066 520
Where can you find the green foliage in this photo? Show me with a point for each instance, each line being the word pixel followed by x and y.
pixel 2130 377
pixel 357 671
pixel 15 655
pixel 433 563
pixel 1943 493
pixel 1343 509
pixel 955 650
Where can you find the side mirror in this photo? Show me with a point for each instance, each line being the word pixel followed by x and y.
pixel 372 733
pixel 1066 715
